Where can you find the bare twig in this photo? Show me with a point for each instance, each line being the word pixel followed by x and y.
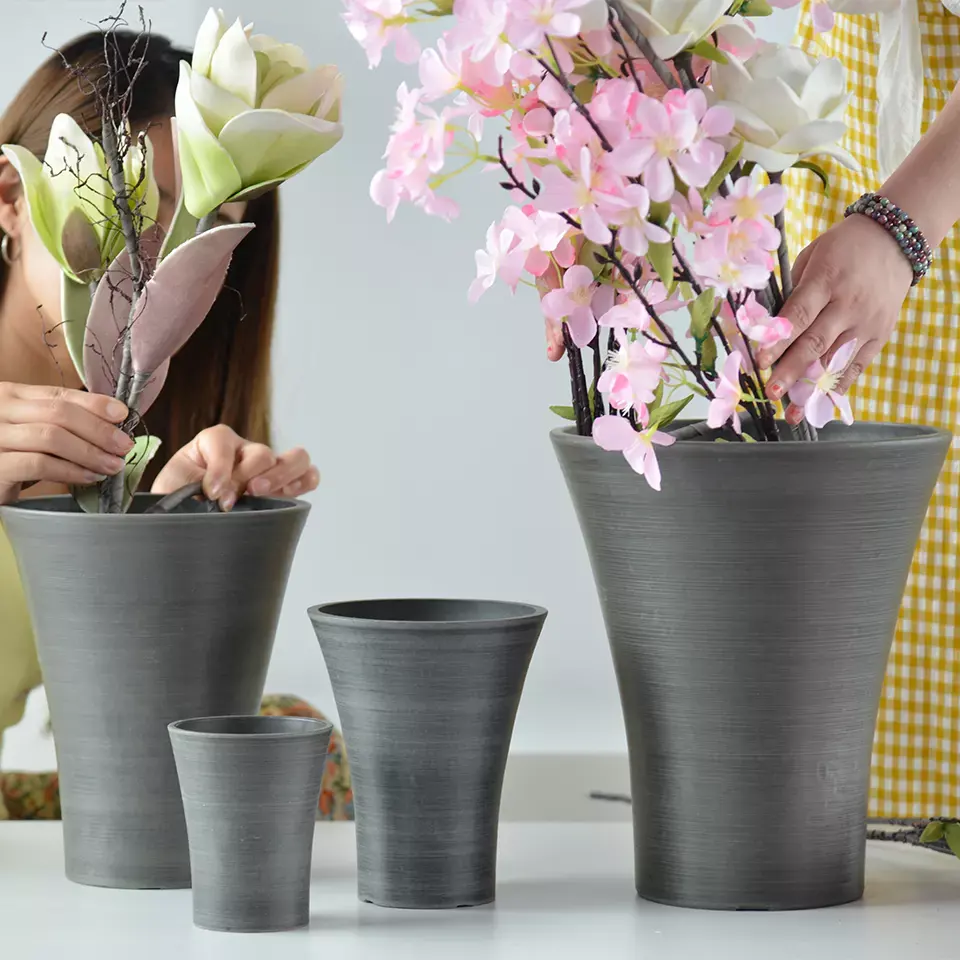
pixel 643 44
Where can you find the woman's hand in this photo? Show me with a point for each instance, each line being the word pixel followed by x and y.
pixel 58 435
pixel 230 466
pixel 849 284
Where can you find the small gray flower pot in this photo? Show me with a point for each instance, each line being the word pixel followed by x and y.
pixel 250 788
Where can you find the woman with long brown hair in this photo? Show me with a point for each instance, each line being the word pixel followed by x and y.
pixel 214 412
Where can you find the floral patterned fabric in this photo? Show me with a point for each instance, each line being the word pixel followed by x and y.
pixel 36 796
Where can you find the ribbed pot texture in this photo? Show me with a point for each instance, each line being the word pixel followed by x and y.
pixel 427 692
pixel 142 620
pixel 750 609
pixel 250 789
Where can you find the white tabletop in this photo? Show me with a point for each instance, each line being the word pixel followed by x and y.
pixel 565 891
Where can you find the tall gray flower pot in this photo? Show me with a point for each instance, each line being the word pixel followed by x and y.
pixel 142 620
pixel 750 609
pixel 427 692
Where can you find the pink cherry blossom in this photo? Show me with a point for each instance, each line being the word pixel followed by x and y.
pixel 724 406
pixel 440 70
pixel 573 303
pixel 752 202
pixel 532 21
pixel 615 433
pixel 724 261
pixel 375 24
pixel 673 135
pixel 756 324
pixel 478 32
pixel 540 235
pixel 816 390
pixel 628 209
pixel 690 211
pixel 577 194
pixel 631 314
pixel 504 257
pixel 632 373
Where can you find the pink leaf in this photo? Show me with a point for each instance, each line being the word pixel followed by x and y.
pixel 180 294
pixel 174 303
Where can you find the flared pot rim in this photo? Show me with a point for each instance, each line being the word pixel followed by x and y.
pixel 46 507
pixel 899 434
pixel 338 613
pixel 297 728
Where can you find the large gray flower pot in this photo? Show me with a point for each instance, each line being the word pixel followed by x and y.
pixel 750 609
pixel 142 620
pixel 427 692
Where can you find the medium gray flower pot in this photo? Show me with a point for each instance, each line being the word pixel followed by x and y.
pixel 141 620
pixel 250 788
pixel 750 609
pixel 427 692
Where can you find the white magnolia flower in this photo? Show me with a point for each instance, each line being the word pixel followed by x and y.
pixel 71 202
pixel 250 114
pixel 672 26
pixel 787 105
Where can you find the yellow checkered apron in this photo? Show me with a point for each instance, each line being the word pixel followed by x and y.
pixel 916 771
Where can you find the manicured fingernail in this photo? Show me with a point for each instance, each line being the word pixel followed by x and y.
pixel 122 442
pixel 116 410
pixel 775 389
pixel 228 501
pixel 294 488
pixel 260 487
pixel 94 477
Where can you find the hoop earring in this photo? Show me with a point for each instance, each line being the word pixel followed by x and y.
pixel 5 254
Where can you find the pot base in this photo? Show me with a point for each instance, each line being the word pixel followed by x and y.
pixel 719 906
pixel 456 904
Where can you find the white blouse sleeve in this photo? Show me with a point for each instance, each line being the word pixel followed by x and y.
pixel 899 84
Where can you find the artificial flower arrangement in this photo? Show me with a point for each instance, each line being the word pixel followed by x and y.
pixel 250 114
pixel 642 144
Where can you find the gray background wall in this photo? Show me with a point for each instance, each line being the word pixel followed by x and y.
pixel 428 416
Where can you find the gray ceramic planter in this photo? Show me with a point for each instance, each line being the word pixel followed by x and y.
pixel 750 609
pixel 250 788
pixel 142 620
pixel 427 692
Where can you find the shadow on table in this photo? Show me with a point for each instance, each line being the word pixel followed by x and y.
pixel 596 894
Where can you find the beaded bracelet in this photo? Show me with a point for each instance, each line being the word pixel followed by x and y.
pixel 888 215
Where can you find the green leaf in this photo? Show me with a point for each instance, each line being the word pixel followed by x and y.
pixel 819 171
pixel 708 51
pixel 665 415
pixel 182 228
pixel 138 459
pixel 701 313
pixel 88 498
pixel 657 398
pixel 729 162
pixel 951 832
pixel 567 413
pixel 660 256
pixel 659 213
pixel 932 832
pixel 707 354
pixel 755 8
pixel 592 399
pixel 75 300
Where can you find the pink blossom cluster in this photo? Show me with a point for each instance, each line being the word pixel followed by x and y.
pixel 626 213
